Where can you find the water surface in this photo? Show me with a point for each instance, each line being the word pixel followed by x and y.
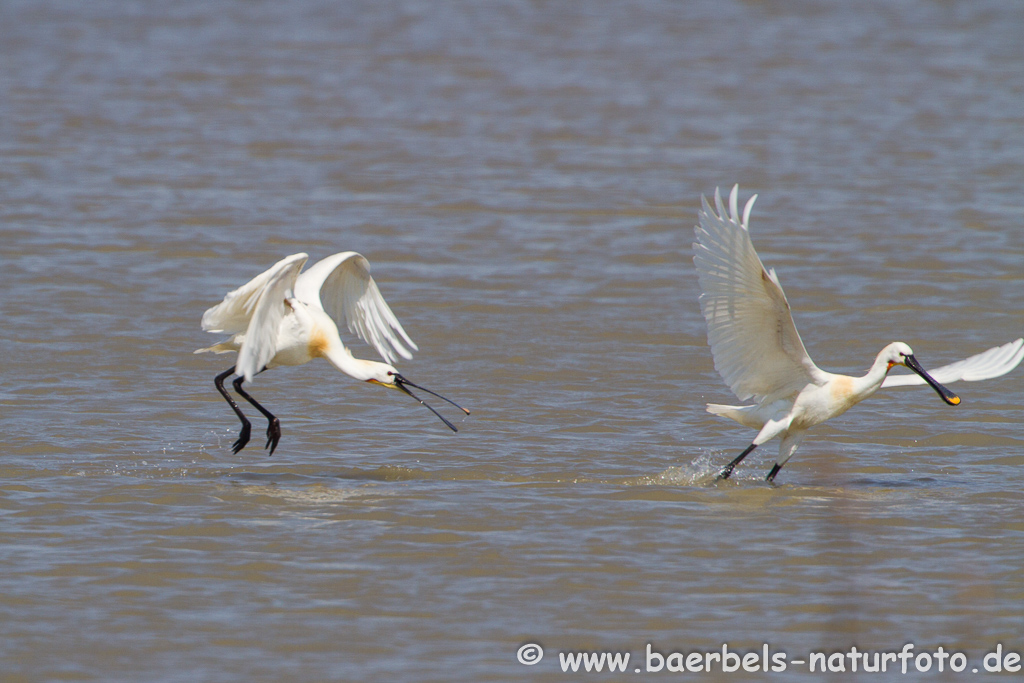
pixel 524 177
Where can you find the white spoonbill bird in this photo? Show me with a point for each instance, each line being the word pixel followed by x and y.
pixel 759 354
pixel 282 317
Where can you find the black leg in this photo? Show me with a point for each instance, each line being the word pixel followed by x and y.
pixel 736 461
pixel 243 436
pixel 775 470
pixel 273 424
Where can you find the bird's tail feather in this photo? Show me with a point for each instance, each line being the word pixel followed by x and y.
pixel 223 347
pixel 745 415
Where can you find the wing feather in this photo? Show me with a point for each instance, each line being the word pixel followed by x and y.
pixel 753 338
pixel 995 362
pixel 232 315
pixel 259 345
pixel 342 287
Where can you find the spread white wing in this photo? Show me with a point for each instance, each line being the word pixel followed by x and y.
pixel 253 313
pixel 995 362
pixel 232 315
pixel 341 286
pixel 753 339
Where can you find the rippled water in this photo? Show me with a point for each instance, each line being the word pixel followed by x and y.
pixel 524 177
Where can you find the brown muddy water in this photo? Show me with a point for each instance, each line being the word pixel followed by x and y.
pixel 524 177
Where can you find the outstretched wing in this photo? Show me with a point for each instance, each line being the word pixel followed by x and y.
pixel 232 315
pixel 995 362
pixel 341 286
pixel 753 339
pixel 260 343
pixel 253 312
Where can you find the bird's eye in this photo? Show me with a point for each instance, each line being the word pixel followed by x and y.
pixel 390 374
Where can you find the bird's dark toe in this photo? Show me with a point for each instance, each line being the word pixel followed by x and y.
pixel 273 434
pixel 243 438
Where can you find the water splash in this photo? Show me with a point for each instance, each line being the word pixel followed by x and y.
pixel 702 471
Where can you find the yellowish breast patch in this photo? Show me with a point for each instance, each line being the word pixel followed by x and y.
pixel 318 343
pixel 842 388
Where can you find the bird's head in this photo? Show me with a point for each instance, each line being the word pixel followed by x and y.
pixel 899 353
pixel 387 376
pixel 382 374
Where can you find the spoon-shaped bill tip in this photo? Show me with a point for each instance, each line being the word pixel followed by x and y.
pixel 947 395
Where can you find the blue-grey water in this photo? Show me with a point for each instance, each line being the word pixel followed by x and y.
pixel 524 177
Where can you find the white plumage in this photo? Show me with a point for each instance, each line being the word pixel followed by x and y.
pixel 760 355
pixel 995 362
pixel 287 317
pixel 339 286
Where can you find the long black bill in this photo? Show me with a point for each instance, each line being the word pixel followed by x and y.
pixel 947 395
pixel 401 383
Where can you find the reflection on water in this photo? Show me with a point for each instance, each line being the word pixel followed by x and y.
pixel 524 177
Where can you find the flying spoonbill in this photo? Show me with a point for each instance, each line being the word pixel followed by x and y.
pixel 282 317
pixel 759 354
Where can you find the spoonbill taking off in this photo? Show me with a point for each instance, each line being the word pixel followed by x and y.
pixel 759 354
pixel 283 318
